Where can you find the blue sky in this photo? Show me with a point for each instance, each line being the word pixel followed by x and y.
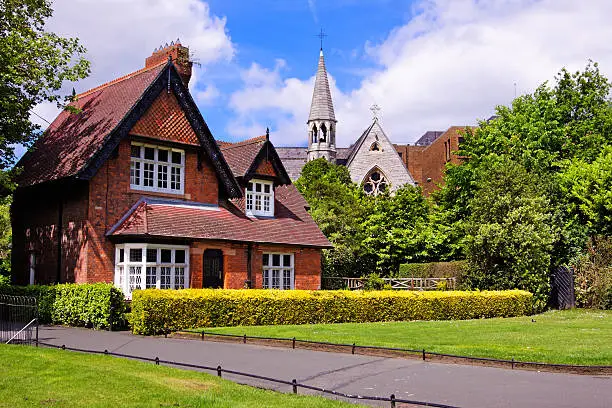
pixel 429 64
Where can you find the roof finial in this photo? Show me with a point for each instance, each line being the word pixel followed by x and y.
pixel 321 35
pixel 375 109
pixel 267 133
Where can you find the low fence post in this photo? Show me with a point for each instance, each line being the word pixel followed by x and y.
pixel 244 339
pixel 423 354
pixel 293 342
pixel 156 360
pixel 294 382
pixel 63 347
pixel 392 400
pixel 219 371
pixel 202 334
pixel 353 349
pixel 513 363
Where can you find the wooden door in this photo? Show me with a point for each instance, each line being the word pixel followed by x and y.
pixel 213 268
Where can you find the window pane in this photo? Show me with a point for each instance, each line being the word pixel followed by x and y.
pixel 149 153
pixel 275 279
pixel 166 255
pixel 135 151
pixel 135 173
pixel 121 255
pixel 162 176
pixel 151 277
pixel 276 260
pixel 151 255
pixel 175 178
pixel 266 204
pixel 250 187
pixel 286 260
pixel 267 188
pixel 266 277
pixel 266 260
pixel 165 276
pixel 286 278
pixel 162 155
pixel 135 278
pixel 179 256
pixel 258 187
pixel 176 157
pixel 257 202
pixel 249 201
pixel 136 255
pixel 179 278
pixel 148 174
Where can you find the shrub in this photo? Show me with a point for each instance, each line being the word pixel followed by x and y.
pixel 453 269
pixel 91 305
pixel 593 275
pixel 157 311
pixel 373 282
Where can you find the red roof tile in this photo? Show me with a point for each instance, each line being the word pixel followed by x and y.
pixel 72 139
pixel 240 155
pixel 292 225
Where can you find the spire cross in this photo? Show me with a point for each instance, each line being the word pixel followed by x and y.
pixel 321 35
pixel 375 109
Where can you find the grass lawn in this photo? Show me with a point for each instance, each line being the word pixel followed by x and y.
pixel 31 377
pixel 568 337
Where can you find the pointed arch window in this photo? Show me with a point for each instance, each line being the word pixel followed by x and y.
pixel 314 134
pixel 323 133
pixel 375 182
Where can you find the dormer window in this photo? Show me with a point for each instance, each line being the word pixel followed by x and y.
pixel 260 198
pixel 159 169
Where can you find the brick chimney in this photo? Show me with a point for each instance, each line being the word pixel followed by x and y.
pixel 179 55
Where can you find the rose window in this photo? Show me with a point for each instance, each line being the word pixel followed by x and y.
pixel 376 183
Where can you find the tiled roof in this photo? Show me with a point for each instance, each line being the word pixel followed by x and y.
pixel 428 137
pixel 292 225
pixel 322 106
pixel 240 155
pixel 72 139
pixel 166 120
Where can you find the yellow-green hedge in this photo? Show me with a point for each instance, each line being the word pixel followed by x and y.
pixel 156 311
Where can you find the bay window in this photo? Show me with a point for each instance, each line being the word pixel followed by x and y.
pixel 143 266
pixel 260 198
pixel 155 168
pixel 278 271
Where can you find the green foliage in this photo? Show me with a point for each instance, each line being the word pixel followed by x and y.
pixel 593 275
pixel 158 311
pixel 6 236
pixel 91 305
pixel 509 234
pixel 453 269
pixel 34 65
pixel 373 281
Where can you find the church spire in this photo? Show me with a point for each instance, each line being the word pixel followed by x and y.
pixel 322 120
pixel 322 107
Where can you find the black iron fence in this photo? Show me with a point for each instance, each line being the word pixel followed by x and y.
pixel 294 384
pixel 18 319
pixel 420 353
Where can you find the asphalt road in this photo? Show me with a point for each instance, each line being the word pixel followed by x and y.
pixel 452 384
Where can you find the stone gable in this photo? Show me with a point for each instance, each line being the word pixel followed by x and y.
pixel 386 159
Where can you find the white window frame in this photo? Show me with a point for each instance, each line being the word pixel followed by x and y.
pixel 122 268
pixel 254 197
pixel 141 162
pixel 269 271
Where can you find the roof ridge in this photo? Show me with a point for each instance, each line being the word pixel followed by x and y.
pixel 253 140
pixel 117 80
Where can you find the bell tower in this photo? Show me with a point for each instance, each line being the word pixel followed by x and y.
pixel 322 121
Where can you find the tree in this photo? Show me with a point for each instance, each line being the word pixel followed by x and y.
pixel 34 64
pixel 509 234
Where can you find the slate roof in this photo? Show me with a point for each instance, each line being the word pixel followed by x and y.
pixel 72 139
pixel 292 225
pixel 428 137
pixel 321 107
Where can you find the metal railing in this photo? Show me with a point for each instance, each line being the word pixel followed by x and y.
pixel 421 353
pixel 294 384
pixel 406 283
pixel 18 319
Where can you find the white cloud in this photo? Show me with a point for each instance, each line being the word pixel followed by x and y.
pixel 313 10
pixel 451 64
pixel 120 34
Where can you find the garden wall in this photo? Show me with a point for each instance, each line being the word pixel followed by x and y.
pixel 159 311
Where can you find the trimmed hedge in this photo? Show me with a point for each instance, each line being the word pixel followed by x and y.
pixel 453 269
pixel 96 305
pixel 158 311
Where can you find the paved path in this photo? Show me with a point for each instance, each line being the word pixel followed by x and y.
pixel 459 385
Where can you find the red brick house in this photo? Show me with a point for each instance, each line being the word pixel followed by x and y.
pixel 135 190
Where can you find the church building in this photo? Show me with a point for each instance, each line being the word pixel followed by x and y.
pixel 373 161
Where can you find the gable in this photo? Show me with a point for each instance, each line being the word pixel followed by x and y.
pixel 165 120
pixel 384 157
pixel 265 168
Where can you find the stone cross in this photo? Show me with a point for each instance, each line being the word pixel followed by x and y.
pixel 375 109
